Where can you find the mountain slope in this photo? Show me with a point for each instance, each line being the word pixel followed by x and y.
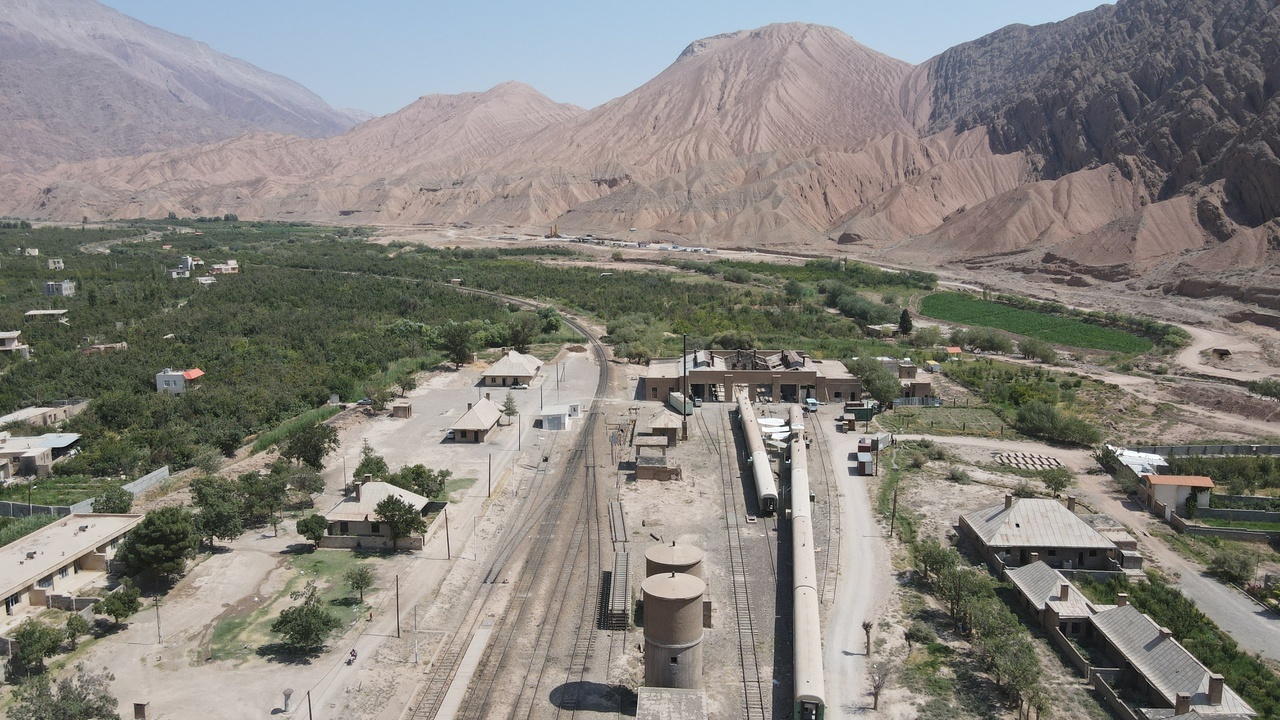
pixel 79 80
pixel 1179 94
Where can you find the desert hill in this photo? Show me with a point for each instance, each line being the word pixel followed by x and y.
pixel 1133 143
pixel 79 80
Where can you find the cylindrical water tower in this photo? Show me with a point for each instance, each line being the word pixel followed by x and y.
pixel 673 630
pixel 673 558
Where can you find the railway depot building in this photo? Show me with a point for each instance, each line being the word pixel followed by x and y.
pixel 768 375
pixel 54 564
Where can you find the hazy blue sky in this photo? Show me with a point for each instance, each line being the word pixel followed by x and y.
pixel 380 55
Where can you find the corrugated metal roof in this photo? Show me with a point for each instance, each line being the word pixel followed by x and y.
pixel 514 364
pixel 1162 660
pixel 482 416
pixel 370 494
pixel 1034 522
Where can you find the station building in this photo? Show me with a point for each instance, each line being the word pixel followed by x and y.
pixel 768 375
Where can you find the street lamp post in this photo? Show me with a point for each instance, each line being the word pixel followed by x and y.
pixel 30 487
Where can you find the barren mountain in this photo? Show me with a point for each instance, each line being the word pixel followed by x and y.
pixel 1133 143
pixel 79 80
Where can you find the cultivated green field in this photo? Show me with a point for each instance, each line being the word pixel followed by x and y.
pixel 968 310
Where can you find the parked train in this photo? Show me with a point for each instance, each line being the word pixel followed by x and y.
pixel 766 483
pixel 810 688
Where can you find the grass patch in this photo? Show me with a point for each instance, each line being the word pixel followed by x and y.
pixel 239 634
pixel 969 310
pixel 14 529
pixel 457 485
pixel 1242 524
pixel 271 437
pixel 57 490
pixel 981 422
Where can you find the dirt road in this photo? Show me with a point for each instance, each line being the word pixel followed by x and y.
pixel 864 586
pixel 1203 340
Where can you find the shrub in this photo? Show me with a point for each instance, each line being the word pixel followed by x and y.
pixel 959 476
pixel 1233 565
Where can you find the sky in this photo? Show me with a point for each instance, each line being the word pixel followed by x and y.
pixel 380 55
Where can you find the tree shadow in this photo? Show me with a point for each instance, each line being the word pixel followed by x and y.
pixel 286 654
pixel 349 601
pixel 299 549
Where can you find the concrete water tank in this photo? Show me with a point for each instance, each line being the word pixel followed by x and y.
pixel 673 630
pixel 673 558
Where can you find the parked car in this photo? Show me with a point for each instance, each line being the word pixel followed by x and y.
pixel 520 386
pixel 365 401
pixel 448 435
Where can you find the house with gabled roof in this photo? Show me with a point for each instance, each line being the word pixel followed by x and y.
pixel 354 523
pixel 477 421
pixel 1172 491
pixel 1171 681
pixel 1052 599
pixel 514 368
pixel 1012 533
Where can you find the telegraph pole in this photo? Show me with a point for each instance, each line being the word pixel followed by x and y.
pixel 684 377
pixel 397 606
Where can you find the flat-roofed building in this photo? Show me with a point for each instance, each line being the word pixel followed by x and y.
pixel 44 416
pixel 767 375
pixel 58 316
pixel 63 288
pixel 11 342
pixel 33 455
pixel 1012 532
pixel 60 560
pixel 176 381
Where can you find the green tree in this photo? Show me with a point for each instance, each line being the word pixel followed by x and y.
pixel 306 626
pixel 904 322
pixel 120 603
pixel 509 407
pixel 877 380
pixel 1056 480
pixel 220 510
pixel 925 337
pixel 313 528
pixel 32 642
pixel 309 444
pixel 262 496
pixel 407 381
pixel 113 500
pixel 371 464
pixel 522 328
pixel 421 480
pixel 793 290
pixel 161 543
pixel 458 341
pixel 76 626
pixel 83 696
pixel 402 519
pixel 359 578
pixel 550 320
pixel 1034 349
pixel 1234 566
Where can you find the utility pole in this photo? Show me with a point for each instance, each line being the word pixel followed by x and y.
pixel 684 379
pixel 415 634
pixel 157 599
pixel 309 706
pixel 397 606
pixel 448 549
pixel 490 493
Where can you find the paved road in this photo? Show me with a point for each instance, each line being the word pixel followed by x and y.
pixel 1255 629
pixel 865 582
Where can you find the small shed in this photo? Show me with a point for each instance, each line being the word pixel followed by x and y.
pixel 560 417
pixel 654 467
pixel 665 423
pixel 954 352
pixel 864 464
pixel 402 410
pixel 648 444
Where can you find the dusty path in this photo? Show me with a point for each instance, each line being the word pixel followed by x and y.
pixel 1203 339
pixel 864 586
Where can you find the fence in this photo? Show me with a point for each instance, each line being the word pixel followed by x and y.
pixel 1068 649
pixel 1244 502
pixel 1192 450
pixel 1098 677
pixel 917 402
pixel 21 509
pixel 1239 515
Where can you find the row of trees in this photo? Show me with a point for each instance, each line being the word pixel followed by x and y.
pixel 999 640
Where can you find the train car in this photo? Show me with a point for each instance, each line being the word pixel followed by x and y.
pixel 761 471
pixel 810 686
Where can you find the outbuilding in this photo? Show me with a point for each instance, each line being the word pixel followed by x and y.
pixel 1169 493
pixel 477 421
pixel 354 523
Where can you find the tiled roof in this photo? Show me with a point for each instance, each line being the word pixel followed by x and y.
pixel 1163 661
pixel 1198 481
pixel 1034 522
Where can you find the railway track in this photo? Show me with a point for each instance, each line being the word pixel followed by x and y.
pixel 756 692
pixel 552 548
pixel 830 514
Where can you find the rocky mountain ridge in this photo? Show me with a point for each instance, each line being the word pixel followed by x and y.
pixel 1134 144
